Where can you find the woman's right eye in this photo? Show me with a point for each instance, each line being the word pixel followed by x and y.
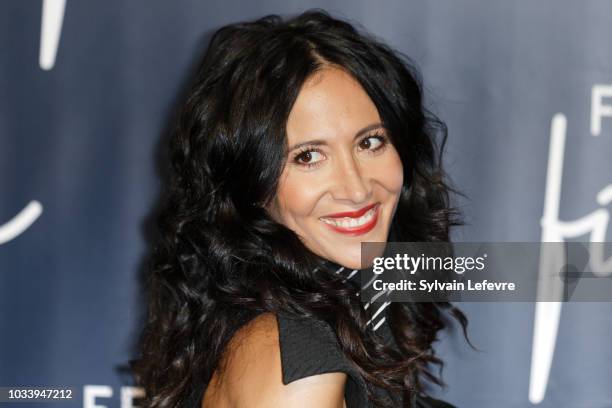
pixel 309 158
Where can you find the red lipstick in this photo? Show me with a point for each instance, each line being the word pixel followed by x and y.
pixel 352 214
pixel 353 230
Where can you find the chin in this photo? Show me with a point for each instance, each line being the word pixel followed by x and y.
pixel 350 260
pixel 351 256
pixel 350 264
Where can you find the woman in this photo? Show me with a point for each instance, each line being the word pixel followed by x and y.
pixel 298 140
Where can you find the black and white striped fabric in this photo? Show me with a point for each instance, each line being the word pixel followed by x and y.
pixel 378 318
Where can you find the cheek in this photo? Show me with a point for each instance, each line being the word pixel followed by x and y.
pixel 297 196
pixel 390 173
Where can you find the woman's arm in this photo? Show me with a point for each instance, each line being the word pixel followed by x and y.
pixel 250 375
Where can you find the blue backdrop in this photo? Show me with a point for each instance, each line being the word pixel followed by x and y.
pixel 87 90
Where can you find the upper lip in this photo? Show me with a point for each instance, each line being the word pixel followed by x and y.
pixel 352 214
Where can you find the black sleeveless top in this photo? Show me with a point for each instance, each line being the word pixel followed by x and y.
pixel 310 347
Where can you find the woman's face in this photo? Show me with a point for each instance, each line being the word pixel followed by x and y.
pixel 342 178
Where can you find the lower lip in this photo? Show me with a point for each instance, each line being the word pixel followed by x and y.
pixel 358 230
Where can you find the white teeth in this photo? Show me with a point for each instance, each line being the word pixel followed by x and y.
pixel 349 222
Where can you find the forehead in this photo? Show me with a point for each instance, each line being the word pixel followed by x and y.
pixel 331 104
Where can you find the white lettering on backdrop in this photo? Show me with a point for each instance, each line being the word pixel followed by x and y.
pixel 595 224
pixel 50 32
pixel 21 222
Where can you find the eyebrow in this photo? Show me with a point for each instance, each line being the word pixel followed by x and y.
pixel 317 142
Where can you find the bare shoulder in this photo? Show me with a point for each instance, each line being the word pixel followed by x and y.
pixel 250 374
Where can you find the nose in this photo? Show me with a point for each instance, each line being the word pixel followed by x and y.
pixel 350 181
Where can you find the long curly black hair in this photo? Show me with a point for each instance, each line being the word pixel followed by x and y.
pixel 221 259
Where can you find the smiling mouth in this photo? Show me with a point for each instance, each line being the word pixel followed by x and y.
pixel 354 225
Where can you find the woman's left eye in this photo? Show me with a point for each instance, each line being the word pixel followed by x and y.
pixel 372 143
